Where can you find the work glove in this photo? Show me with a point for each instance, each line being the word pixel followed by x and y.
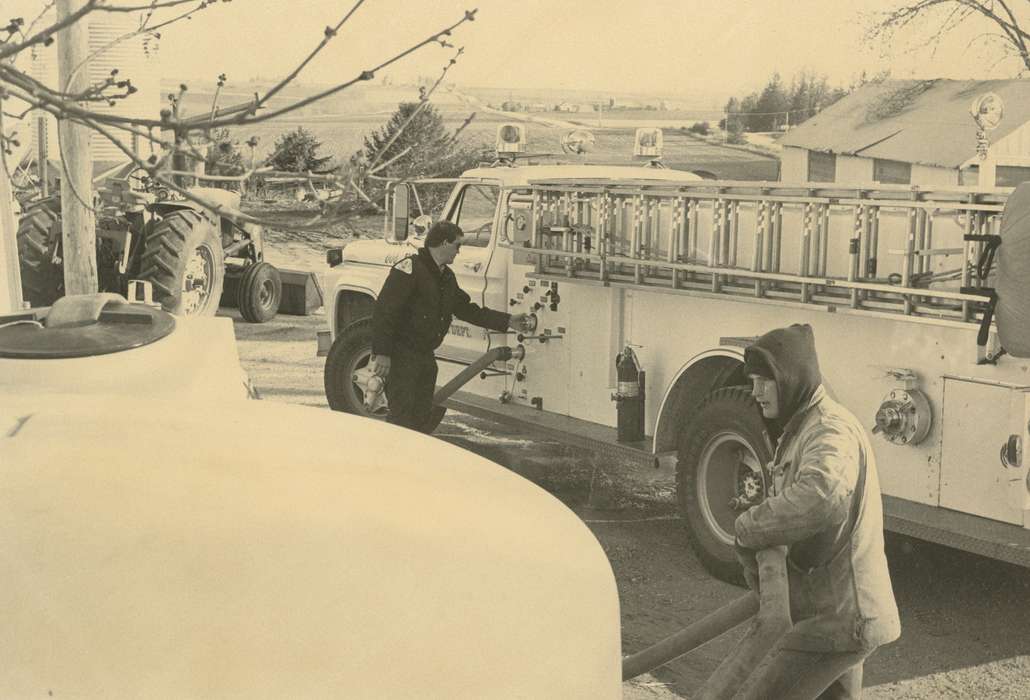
pixel 380 365
pixel 749 563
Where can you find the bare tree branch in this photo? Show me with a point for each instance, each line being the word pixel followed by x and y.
pixel 329 33
pixel 998 13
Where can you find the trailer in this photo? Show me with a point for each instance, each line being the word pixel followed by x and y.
pixel 648 283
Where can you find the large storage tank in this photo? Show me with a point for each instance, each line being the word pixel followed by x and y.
pixel 111 45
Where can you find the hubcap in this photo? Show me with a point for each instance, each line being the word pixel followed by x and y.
pixel 266 293
pixel 196 282
pixel 730 480
pixel 360 374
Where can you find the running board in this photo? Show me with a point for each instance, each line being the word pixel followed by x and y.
pixel 571 431
pixel 969 533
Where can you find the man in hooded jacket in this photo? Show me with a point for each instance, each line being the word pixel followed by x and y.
pixel 825 506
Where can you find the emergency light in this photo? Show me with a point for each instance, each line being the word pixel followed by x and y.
pixel 648 142
pixel 511 138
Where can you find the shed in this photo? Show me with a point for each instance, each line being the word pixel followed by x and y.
pixel 916 132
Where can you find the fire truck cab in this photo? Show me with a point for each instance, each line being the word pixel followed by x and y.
pixel 646 285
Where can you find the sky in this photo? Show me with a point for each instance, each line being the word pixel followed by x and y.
pixel 647 46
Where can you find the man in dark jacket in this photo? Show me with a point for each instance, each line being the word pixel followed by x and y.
pixel 825 506
pixel 411 318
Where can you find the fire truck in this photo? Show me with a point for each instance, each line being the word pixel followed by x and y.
pixel 646 284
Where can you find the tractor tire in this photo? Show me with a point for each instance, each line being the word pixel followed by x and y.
pixel 39 234
pixel 351 351
pixel 723 452
pixel 259 293
pixel 182 259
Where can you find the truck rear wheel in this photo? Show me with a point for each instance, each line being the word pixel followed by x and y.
pixel 721 473
pixel 260 292
pixel 182 259
pixel 350 352
pixel 39 232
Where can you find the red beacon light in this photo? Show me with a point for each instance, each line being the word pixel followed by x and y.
pixel 511 139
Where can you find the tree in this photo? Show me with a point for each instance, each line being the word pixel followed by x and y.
pixel 1002 23
pixel 223 155
pixel 771 107
pixel 297 152
pixel 25 97
pixel 413 143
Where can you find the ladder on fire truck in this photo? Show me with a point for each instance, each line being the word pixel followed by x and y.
pixel 878 249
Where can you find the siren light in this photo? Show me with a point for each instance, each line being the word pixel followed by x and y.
pixel 648 143
pixel 511 138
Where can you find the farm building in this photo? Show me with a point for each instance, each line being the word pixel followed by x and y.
pixel 918 132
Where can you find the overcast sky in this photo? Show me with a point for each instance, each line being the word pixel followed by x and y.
pixel 670 46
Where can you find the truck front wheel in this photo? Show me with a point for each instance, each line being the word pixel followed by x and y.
pixel 721 473
pixel 345 369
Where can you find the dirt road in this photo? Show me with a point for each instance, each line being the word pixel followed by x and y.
pixel 966 621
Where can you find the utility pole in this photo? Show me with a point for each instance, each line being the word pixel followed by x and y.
pixel 10 273
pixel 79 228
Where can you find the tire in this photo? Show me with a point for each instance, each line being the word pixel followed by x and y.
pixel 723 452
pixel 182 259
pixel 351 351
pixel 39 234
pixel 259 293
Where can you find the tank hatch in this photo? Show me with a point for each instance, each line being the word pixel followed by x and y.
pixel 82 325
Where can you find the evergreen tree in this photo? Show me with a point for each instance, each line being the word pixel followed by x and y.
pixel 424 148
pixel 771 106
pixel 297 152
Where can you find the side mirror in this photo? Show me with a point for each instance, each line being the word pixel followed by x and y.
pixel 397 226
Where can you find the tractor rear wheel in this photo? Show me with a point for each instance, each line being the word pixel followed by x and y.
pixel 721 472
pixel 39 235
pixel 259 293
pixel 182 259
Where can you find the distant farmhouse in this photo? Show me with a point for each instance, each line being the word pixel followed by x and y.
pixel 917 132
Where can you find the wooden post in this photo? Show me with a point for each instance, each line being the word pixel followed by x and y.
pixel 10 273
pixel 79 231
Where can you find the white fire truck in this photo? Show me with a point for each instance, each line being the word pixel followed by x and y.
pixel 646 285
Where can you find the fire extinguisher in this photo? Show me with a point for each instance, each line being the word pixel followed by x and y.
pixel 629 397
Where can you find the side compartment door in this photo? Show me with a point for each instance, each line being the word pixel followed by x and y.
pixel 478 267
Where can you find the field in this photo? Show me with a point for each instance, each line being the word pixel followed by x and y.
pixel 342 122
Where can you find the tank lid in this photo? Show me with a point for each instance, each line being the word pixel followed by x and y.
pixel 82 326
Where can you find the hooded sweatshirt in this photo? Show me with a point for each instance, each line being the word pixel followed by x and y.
pixel 787 355
pixel 824 504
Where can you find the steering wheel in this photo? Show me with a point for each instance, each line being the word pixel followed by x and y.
pixel 485 228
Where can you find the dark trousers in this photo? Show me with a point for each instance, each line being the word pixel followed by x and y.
pixel 410 387
pixel 790 674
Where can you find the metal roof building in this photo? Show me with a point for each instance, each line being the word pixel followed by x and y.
pixel 913 132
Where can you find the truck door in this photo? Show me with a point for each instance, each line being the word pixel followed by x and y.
pixel 474 209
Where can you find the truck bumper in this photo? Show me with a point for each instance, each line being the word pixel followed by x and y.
pixel 325 341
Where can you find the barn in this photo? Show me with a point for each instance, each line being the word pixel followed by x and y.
pixel 913 132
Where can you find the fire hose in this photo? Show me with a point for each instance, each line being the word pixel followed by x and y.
pixel 770 620
pixel 374 386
